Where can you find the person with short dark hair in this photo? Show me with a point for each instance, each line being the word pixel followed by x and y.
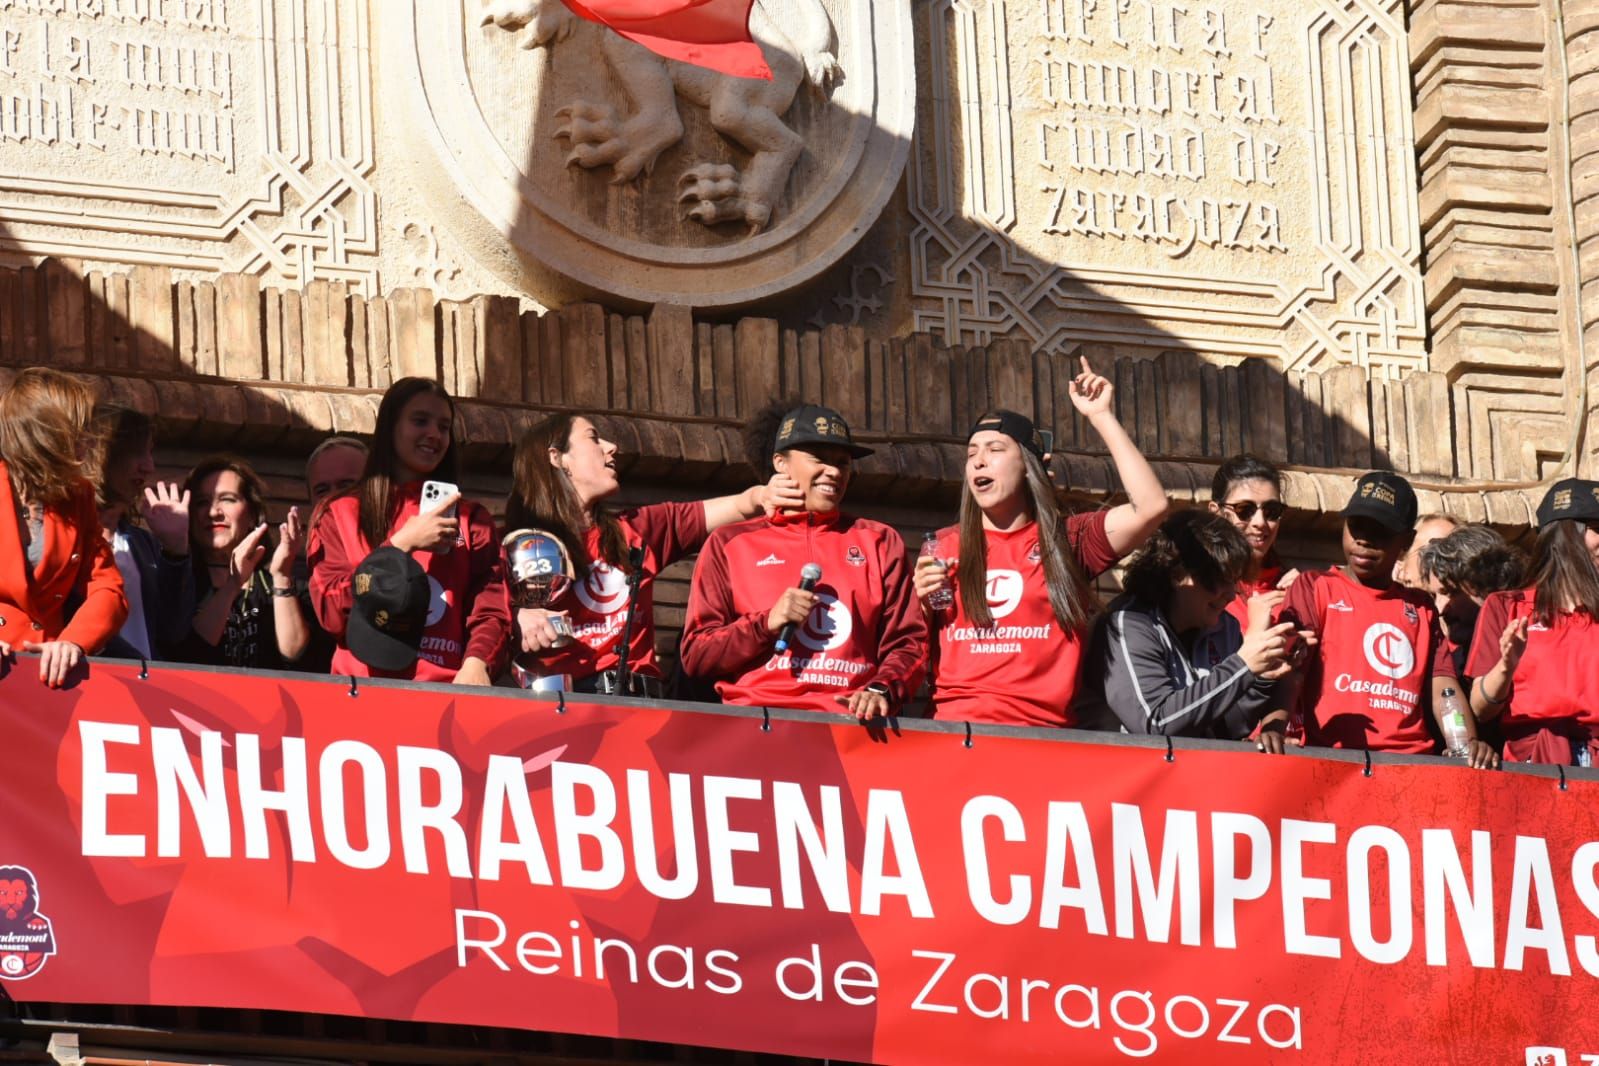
pixel 1007 648
pixel 1248 492
pixel 153 557
pixel 1168 658
pixel 454 543
pixel 1381 663
pixel 857 639
pixel 249 614
pixel 1535 653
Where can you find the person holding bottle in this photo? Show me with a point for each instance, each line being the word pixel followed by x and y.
pixel 1008 649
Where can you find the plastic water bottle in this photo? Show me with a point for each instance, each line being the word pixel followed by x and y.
pixel 1457 739
pixel 943 597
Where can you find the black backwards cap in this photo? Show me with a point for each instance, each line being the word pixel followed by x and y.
pixel 1572 498
pixel 1016 426
pixel 815 424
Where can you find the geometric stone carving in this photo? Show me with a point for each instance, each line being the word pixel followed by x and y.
pixel 1227 176
pixel 206 135
pixel 649 179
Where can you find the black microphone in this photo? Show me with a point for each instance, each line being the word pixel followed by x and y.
pixel 809 576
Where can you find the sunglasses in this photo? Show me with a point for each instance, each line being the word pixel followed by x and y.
pixel 1245 509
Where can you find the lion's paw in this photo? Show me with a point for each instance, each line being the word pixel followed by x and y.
pixel 714 193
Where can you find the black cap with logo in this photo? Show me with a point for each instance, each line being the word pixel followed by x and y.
pixel 392 596
pixel 1385 498
pixel 1572 498
pixel 815 424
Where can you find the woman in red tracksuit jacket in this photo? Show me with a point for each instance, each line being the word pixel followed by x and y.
pixel 468 621
pixel 858 639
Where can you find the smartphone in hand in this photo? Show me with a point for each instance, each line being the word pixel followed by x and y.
pixel 434 493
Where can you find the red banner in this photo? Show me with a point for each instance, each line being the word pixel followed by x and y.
pixel 210 839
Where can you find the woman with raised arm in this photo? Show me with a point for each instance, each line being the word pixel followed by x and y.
pixel 563 473
pixel 1534 655
pixel 52 550
pixel 406 591
pixel 809 608
pixel 1248 492
pixel 249 614
pixel 1008 649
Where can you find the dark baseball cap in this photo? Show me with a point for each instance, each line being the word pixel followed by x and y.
pixel 1385 498
pixel 815 424
pixel 1572 498
pixel 1016 426
pixel 392 596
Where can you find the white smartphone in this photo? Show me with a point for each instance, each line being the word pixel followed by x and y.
pixel 434 493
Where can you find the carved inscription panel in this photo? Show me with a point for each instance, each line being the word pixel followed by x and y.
pixel 201 134
pixel 1224 175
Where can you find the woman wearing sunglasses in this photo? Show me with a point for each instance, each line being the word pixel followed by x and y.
pixel 1248 492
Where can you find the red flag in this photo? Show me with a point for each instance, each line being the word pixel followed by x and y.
pixel 707 33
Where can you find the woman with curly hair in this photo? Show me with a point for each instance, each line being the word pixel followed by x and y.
pixel 52 550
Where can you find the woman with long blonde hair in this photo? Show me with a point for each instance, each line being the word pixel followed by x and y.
pixel 52 550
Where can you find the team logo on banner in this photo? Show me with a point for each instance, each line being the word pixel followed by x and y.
pixel 1004 592
pixel 26 936
pixel 1389 652
pixel 604 591
pixel 827 626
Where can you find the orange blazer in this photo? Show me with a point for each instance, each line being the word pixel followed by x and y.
pixel 77 564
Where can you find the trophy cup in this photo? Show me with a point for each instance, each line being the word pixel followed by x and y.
pixel 540 571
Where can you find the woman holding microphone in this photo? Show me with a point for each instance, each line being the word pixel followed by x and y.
pixel 810 608
pixel 1008 645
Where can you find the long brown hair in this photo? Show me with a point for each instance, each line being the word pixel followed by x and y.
pixel 1563 571
pixel 542 496
pixel 118 431
pixel 376 490
pixel 1070 597
pixel 44 416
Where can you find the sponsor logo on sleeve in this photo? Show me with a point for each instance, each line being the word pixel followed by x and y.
pixel 27 939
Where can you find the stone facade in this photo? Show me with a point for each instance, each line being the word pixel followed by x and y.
pixel 253 214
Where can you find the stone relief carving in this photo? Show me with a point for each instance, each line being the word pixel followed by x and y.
pixel 747 111
pixel 1232 178
pixel 648 179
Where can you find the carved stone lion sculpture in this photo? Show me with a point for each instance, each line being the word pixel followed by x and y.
pixel 796 37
